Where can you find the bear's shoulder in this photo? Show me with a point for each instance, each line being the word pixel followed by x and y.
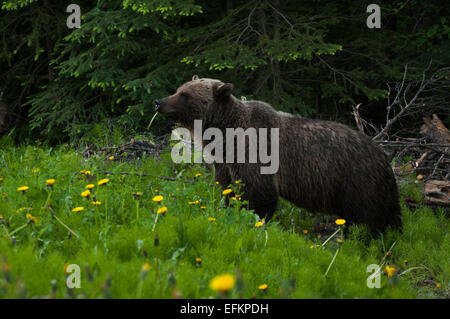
pixel 260 107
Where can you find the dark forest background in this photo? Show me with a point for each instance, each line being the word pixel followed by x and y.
pixel 315 58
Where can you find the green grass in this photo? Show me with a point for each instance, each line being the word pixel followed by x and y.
pixel 117 238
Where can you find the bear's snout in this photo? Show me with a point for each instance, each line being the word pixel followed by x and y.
pixel 165 106
pixel 157 105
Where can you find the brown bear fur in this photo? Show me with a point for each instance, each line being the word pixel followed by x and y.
pixel 323 166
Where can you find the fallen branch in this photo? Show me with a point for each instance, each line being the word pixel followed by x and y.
pixel 130 150
pixel 431 146
pixel 358 120
pixel 406 103
pixel 167 178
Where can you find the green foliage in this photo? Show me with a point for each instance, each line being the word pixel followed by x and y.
pixel 412 188
pixel 315 58
pixel 14 5
pixel 116 238
pixel 167 8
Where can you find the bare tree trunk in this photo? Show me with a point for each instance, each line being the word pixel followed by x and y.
pixel 49 49
pixel 3 113
pixel 229 5
pixel 275 64
pixel 262 71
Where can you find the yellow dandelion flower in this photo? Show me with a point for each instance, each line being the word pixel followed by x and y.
pixel 390 271
pixel 237 182
pixel 340 222
pixel 222 283
pixel 263 287
pixel 145 267
pixel 1 216
pixel 23 189
pixel 217 183
pixel 35 170
pixel 198 260
pixel 111 158
pixel 1 179
pixel 259 224
pixel 233 198
pixel 438 285
pixel 50 182
pixel 202 207
pixel 31 218
pixel 198 175
pixel 211 219
pixel 162 210
pixel 103 181
pixel 90 186
pixel 77 209
pixel 305 231
pixel 158 198
pixel 96 203
pixel 227 191
pixel 86 193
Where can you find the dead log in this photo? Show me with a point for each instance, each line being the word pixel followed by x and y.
pixel 435 130
pixel 437 193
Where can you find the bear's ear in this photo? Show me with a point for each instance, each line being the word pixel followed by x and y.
pixel 224 90
pixel 195 77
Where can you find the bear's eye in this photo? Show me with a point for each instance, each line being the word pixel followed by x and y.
pixel 183 97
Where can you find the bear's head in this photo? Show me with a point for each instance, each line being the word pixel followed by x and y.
pixel 191 100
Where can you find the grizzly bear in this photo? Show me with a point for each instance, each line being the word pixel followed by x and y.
pixel 323 166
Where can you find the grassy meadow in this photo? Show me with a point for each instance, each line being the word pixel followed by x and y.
pixel 140 236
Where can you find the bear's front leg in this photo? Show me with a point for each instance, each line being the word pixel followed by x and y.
pixel 263 203
pixel 222 175
pixel 262 195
